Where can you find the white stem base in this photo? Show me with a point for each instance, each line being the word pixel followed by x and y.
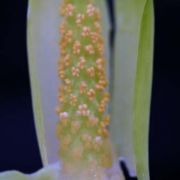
pixel 95 173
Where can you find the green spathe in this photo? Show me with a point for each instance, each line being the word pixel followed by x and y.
pixel 132 83
pixel 142 94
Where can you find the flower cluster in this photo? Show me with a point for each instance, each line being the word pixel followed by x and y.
pixel 83 110
pixel 82 127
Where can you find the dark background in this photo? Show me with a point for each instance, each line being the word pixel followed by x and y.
pixel 18 144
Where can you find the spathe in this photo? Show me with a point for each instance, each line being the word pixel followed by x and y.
pixel 132 79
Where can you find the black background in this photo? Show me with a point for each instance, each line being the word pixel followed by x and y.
pixel 18 144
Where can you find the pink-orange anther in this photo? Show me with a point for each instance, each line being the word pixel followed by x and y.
pixel 68 36
pixel 69 9
pixel 77 47
pixel 91 94
pixel 75 126
pixel 90 49
pixel 92 121
pixel 83 87
pixel 90 9
pixel 100 63
pixel 83 110
pixel 75 71
pixel 79 18
pixel 63 115
pixel 91 71
pixel 62 28
pixel 86 31
pixel 97 26
pixel 81 63
pixel 73 99
pixel 94 37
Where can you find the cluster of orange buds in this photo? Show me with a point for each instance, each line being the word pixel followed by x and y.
pixel 106 120
pixel 77 47
pixel 104 101
pixel 65 143
pixel 83 87
pixel 79 19
pixel 91 9
pixel 101 84
pixel 81 63
pixel 67 88
pixel 98 142
pixel 67 81
pixel 68 36
pixel 103 132
pixel 64 118
pixel 87 140
pixel 61 98
pixel 90 49
pixel 67 60
pixel 61 72
pixel 67 9
pixel 100 64
pixel 63 45
pixel 91 94
pixel 73 99
pixel 58 110
pixel 62 28
pixel 95 37
pixel 86 31
pixel 91 71
pixel 100 48
pixel 75 71
pixel 92 121
pixel 83 110
pixel 102 107
pixel 83 126
pixel 98 27
pixel 75 126
pixel 63 115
